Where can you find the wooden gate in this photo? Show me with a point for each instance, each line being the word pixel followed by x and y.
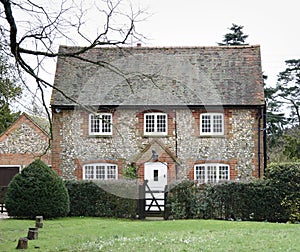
pixel 152 202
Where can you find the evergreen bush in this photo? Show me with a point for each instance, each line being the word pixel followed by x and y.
pixel 256 200
pixel 37 190
pixel 286 178
pixel 90 198
pixel 180 199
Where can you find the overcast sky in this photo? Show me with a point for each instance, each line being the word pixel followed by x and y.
pixel 274 25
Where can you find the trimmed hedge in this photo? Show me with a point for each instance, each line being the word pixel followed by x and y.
pixel 275 199
pixel 180 199
pixel 37 190
pixel 103 198
pixel 255 200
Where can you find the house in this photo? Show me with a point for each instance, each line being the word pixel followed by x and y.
pixel 24 141
pixel 172 113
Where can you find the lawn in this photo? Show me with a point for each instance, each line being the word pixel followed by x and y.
pixel 98 234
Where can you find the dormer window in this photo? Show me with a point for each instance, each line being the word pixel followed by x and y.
pixel 100 124
pixel 155 124
pixel 211 124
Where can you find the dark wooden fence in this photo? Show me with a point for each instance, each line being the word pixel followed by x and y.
pixel 3 190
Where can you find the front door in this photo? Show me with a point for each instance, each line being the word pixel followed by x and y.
pixel 156 175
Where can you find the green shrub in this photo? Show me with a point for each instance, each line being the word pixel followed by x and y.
pixel 37 190
pixel 89 198
pixel 180 199
pixel 130 172
pixel 3 190
pixel 286 178
pixel 84 196
pixel 255 200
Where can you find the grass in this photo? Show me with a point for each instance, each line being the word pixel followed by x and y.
pixel 97 234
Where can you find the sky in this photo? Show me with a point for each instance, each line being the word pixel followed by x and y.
pixel 274 25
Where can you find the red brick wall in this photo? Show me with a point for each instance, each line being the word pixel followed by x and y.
pixel 23 159
pixel 56 148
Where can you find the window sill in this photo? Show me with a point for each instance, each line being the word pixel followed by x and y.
pixel 156 136
pixel 212 136
pixel 99 136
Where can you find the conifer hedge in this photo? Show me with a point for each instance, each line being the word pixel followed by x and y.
pixel 37 190
pixel 102 198
pixel 275 198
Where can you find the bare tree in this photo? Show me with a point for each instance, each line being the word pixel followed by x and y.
pixel 31 31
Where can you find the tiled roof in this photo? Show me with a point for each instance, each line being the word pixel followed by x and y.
pixel 42 122
pixel 217 75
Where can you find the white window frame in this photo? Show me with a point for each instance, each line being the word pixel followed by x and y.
pixel 156 132
pixel 96 171
pixel 212 124
pixel 211 172
pixel 101 131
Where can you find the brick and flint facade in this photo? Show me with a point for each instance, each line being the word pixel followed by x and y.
pixel 24 141
pixel 200 110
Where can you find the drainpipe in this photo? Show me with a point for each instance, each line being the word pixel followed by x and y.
pixel 176 143
pixel 259 141
pixel 265 136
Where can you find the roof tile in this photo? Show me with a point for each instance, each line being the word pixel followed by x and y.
pixel 220 75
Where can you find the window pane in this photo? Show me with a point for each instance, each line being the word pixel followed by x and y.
pixel 205 123
pixel 111 172
pixel 149 123
pixel 211 174
pixel 224 172
pixel 155 175
pixel 217 123
pixel 161 123
pixel 89 172
pixel 95 124
pixel 100 172
pixel 106 123
pixel 200 173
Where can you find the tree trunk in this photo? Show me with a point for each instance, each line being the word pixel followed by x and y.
pixel 22 243
pixel 39 221
pixel 32 234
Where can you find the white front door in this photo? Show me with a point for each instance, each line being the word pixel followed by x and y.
pixel 156 175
